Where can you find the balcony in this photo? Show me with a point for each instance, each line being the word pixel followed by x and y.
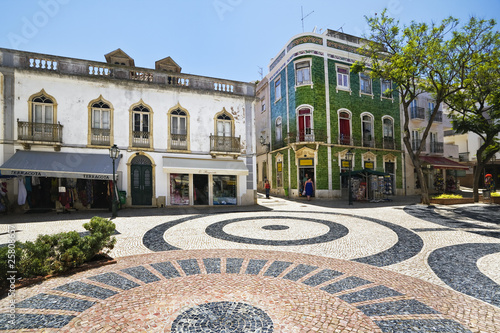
pixel 140 139
pixel 346 140
pixel 307 135
pixel 417 113
pixel 41 133
pixel 463 157
pixel 100 137
pixel 389 143
pixel 225 145
pixel 415 143
pixel 439 116
pixel 368 141
pixel 437 147
pixel 178 141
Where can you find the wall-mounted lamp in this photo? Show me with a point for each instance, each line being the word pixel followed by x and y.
pixel 263 142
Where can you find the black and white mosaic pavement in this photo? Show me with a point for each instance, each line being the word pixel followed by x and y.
pixel 223 317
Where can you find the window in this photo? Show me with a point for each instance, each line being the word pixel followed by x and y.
pixel 388 132
pixel 178 129
pixel 224 190
pixel 179 189
pixel 303 72
pixel 42 120
pixel 344 128
pixel 141 126
pixel 305 125
pixel 224 125
pixel 277 89
pixel 386 88
pixel 415 140
pixel 263 105
pixel 279 174
pixel 278 130
pixel 343 77
pixel 365 83
pixel 367 131
pixel 101 123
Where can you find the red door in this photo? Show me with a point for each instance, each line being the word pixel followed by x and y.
pixel 304 125
pixel 345 129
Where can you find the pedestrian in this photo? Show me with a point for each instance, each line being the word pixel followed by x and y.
pixel 267 186
pixel 309 187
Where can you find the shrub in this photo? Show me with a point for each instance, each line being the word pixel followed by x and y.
pixel 448 196
pixel 50 254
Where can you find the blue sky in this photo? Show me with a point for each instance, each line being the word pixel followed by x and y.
pixel 229 39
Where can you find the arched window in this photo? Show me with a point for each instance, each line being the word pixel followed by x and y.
pixel 388 131
pixel 224 125
pixel 100 123
pixel 345 128
pixel 278 130
pixel 42 124
pixel 367 130
pixel 305 125
pixel 178 129
pixel 141 126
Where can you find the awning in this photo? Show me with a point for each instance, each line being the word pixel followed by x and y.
pixel 204 166
pixel 439 162
pixel 60 165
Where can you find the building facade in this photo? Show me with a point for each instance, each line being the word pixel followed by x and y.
pixel 183 139
pixel 440 159
pixel 319 111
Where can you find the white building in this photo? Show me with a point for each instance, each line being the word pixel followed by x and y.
pixel 183 139
pixel 439 159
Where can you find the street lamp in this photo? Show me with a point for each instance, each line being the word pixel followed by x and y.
pixel 113 153
pixel 349 156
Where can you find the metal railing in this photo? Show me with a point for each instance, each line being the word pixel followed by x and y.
pixel 415 143
pixel 463 157
pixel 226 144
pixel 389 143
pixel 100 137
pixel 417 113
pixel 140 139
pixel 344 139
pixel 307 135
pixel 178 141
pixel 29 131
pixel 437 147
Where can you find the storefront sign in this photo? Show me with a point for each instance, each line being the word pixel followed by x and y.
pixel 56 174
pixel 369 165
pixel 279 166
pixel 306 162
pixel 346 164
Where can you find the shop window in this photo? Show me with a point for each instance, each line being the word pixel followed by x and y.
pixel 224 190
pixel 179 189
pixel 303 72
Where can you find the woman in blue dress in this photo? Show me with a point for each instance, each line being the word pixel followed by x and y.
pixel 309 188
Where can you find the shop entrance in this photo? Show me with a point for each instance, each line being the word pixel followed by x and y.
pixel 100 194
pixel 200 184
pixel 141 173
pixel 304 174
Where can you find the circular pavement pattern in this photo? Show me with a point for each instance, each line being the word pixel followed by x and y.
pixel 223 317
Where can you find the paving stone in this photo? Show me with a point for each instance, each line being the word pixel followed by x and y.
pixel 299 272
pixel 141 273
pixel 422 326
pixel 114 280
pixel 190 266
pixel 166 269
pixel 47 301
pixel 369 294
pixel 212 265
pixel 322 277
pixel 350 282
pixel 34 321
pixel 233 265
pixel 276 268
pixel 254 266
pixel 86 289
pixel 402 307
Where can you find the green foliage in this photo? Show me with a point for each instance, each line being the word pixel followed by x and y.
pixel 448 196
pixel 51 254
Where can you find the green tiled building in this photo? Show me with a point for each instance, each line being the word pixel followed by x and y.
pixel 314 110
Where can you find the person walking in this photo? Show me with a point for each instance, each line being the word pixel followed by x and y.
pixel 309 188
pixel 267 186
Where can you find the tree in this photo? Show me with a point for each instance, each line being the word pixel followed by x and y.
pixel 476 107
pixel 420 58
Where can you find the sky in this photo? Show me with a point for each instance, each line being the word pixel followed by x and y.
pixel 229 39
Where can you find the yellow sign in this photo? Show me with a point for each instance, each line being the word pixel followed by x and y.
pixel 346 164
pixel 306 162
pixel 279 166
pixel 368 165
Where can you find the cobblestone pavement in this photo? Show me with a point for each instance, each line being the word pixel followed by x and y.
pixel 280 266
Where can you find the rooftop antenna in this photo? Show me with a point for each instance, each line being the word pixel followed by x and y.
pixel 303 17
pixel 261 72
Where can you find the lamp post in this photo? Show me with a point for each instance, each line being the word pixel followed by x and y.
pixel 113 153
pixel 349 156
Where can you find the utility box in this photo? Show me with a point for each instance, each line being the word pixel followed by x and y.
pixel 161 201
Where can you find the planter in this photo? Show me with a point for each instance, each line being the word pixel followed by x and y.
pixel 457 201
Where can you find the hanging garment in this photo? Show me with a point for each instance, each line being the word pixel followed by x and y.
pixel 21 198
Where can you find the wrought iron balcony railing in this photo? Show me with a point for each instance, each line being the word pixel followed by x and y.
pixel 140 139
pixel 389 143
pixel 178 141
pixel 417 113
pixel 344 139
pixel 100 136
pixel 437 147
pixel 415 143
pixel 307 135
pixel 225 144
pixel 41 132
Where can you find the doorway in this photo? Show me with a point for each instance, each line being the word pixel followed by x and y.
pixel 305 173
pixel 141 173
pixel 200 185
